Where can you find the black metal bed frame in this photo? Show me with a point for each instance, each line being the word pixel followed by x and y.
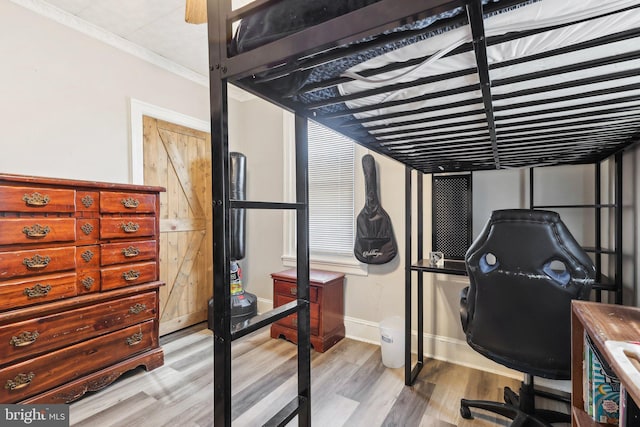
pixel 386 14
pixel 333 39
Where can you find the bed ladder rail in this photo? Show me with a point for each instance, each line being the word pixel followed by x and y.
pixel 267 318
pixel 220 71
pixel 287 413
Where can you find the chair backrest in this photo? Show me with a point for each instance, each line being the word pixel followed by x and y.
pixel 524 268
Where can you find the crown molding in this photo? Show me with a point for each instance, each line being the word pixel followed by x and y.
pixel 65 18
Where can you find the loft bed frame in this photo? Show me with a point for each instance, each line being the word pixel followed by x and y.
pixel 573 101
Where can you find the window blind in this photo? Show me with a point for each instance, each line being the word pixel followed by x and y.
pixel 331 191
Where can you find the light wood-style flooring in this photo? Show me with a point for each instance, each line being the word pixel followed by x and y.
pixel 350 387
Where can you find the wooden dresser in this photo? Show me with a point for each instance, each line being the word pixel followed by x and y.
pixel 78 286
pixel 326 303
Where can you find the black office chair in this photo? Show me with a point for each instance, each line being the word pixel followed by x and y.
pixel 524 270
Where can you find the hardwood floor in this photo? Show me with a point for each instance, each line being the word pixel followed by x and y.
pixel 350 387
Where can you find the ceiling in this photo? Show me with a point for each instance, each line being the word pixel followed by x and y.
pixel 155 25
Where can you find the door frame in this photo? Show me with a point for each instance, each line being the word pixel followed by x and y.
pixel 138 109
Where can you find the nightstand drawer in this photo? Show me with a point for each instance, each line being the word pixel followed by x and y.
pixel 119 253
pixel 37 230
pixel 290 289
pixel 291 321
pixel 47 333
pixel 42 373
pixel 37 200
pixel 115 202
pixel 37 261
pixel 127 227
pixel 22 292
pixel 127 275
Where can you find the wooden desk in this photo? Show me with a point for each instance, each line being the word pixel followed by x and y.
pixel 455 267
pixel 603 322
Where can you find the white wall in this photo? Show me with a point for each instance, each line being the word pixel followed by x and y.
pixel 255 129
pixel 64 99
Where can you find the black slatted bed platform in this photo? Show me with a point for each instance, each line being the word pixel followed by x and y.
pixel 533 83
pixel 440 86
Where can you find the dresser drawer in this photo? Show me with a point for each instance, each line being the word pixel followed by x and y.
pixel 87 230
pixel 22 292
pixel 88 281
pixel 34 199
pixel 127 275
pixel 87 201
pixel 291 321
pixel 88 257
pixel 44 334
pixel 127 227
pixel 37 261
pixel 290 289
pixel 114 202
pixel 37 230
pixel 44 372
pixel 118 253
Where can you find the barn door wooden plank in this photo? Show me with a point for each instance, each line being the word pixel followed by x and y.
pixel 179 159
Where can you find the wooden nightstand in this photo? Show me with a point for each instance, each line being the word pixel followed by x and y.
pixel 326 298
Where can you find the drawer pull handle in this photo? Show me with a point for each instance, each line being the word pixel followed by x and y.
pixel 36 231
pixel 130 203
pixel 87 282
pixel 87 228
pixel 137 309
pixel 293 291
pixel 130 227
pixel 130 275
pixel 130 252
pixel 37 261
pixel 36 199
pixel 87 255
pixel 135 339
pixel 37 291
pixel 87 201
pixel 24 339
pixel 20 381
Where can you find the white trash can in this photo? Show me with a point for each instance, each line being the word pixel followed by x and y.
pixel 392 341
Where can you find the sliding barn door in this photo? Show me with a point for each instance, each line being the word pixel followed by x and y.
pixel 179 159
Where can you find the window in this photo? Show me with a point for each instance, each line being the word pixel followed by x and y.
pixel 331 175
pixel 331 199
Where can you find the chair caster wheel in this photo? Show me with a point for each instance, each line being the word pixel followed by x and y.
pixel 465 412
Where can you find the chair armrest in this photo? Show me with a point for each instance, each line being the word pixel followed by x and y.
pixel 464 308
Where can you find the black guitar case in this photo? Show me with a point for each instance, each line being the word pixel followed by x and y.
pixel 375 242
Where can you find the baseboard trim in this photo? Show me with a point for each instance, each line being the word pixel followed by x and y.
pixel 435 347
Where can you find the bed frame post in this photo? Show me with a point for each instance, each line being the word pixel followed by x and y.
pixel 407 276
pixel 302 263
pixel 420 291
pixel 411 372
pixel 618 227
pixel 221 228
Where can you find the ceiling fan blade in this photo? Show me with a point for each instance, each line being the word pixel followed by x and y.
pixel 195 12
